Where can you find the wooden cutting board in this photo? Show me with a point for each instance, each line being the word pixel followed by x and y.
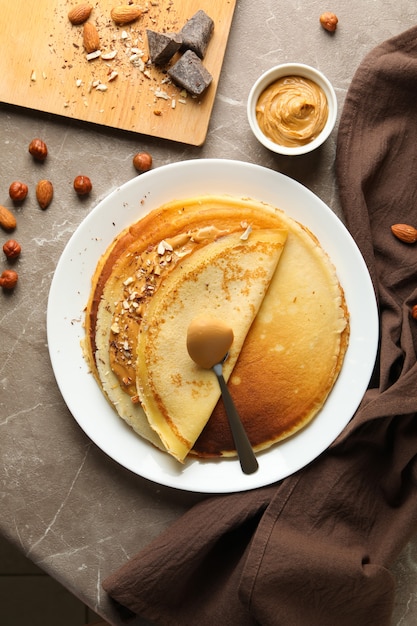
pixel 43 66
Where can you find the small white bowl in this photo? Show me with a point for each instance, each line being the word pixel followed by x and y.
pixel 272 75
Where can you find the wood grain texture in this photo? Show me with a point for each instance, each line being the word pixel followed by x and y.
pixel 43 66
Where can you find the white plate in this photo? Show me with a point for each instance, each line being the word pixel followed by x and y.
pixel 70 290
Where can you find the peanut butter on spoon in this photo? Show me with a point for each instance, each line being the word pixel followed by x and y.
pixel 208 343
pixel 208 340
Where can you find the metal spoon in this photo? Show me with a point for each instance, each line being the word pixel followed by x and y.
pixel 246 455
pixel 208 339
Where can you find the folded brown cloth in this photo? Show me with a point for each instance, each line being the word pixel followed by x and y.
pixel 314 549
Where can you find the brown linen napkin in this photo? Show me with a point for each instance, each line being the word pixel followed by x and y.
pixel 314 549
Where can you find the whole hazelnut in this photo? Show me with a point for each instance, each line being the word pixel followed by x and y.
pixel 18 191
pixel 142 161
pixel 82 185
pixel 414 311
pixel 8 279
pixel 329 21
pixel 12 249
pixel 38 149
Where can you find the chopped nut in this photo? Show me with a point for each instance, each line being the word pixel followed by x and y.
pixel 93 55
pixel 160 93
pixel 164 246
pixel 245 235
pixel 108 56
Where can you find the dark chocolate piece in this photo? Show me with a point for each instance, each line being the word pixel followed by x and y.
pixel 162 46
pixel 196 33
pixel 189 72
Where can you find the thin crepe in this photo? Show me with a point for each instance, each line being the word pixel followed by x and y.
pixel 189 224
pixel 316 548
pixel 227 279
pixel 293 353
pixel 291 357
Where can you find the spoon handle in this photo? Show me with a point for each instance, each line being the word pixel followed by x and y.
pixel 247 458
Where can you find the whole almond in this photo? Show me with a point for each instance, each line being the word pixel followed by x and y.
pixel 404 232
pixel 44 193
pixel 91 38
pixel 7 219
pixel 125 13
pixel 80 13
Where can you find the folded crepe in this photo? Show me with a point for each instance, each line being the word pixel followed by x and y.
pixel 227 280
pixel 129 274
pixel 315 549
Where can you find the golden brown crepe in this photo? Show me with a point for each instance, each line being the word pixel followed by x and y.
pixel 293 353
pixel 294 350
pixel 227 279
pixel 185 226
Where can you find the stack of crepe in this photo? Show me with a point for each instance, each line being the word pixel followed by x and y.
pixel 241 261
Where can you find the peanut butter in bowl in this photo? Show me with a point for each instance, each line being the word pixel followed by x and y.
pixel 292 109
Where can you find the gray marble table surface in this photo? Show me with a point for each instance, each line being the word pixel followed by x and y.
pixel 64 503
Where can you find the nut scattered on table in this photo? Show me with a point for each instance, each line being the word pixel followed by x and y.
pixel 12 249
pixel 44 193
pixel 18 191
pixel 404 232
pixel 8 279
pixel 329 21
pixel 7 219
pixel 125 13
pixel 38 149
pixel 414 311
pixel 91 38
pixel 80 13
pixel 142 161
pixel 82 185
